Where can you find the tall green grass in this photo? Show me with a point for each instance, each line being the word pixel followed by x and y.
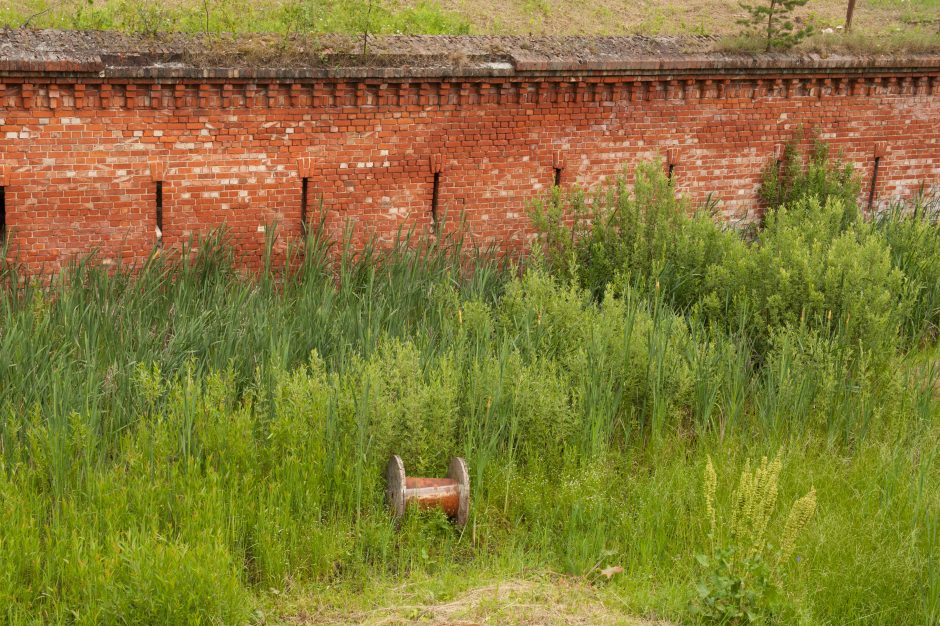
pixel 186 442
pixel 240 16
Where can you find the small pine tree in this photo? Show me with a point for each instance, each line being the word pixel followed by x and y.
pixel 773 21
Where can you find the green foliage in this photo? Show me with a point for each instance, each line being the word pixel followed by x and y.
pixel 407 409
pixel 797 175
pixel 357 16
pixel 186 442
pixel 734 590
pixel 772 21
pixel 913 235
pixel 132 16
pixel 618 230
pixel 814 263
pixel 241 16
pixel 741 578
pixel 809 268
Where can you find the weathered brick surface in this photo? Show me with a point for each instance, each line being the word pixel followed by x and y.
pixel 81 153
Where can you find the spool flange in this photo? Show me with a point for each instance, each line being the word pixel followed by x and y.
pixel 451 494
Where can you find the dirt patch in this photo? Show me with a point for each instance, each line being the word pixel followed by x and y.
pixel 559 601
pixel 664 17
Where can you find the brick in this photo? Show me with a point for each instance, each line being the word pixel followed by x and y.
pixel 87 149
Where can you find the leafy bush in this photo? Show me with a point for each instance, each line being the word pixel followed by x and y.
pixel 629 354
pixel 797 175
pixel 814 261
pixel 617 230
pixel 809 268
pixel 406 408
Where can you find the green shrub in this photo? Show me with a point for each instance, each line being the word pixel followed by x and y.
pixel 625 359
pixel 797 175
pixel 814 261
pixel 913 236
pixel 547 317
pixel 617 230
pixel 809 268
pixel 405 407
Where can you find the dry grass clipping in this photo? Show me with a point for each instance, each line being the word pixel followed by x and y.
pixel 514 602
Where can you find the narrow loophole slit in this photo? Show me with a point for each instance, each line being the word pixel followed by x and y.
pixel 778 170
pixel 558 177
pixel 874 184
pixel 672 169
pixel 435 197
pixel 304 183
pixel 159 211
pixel 3 215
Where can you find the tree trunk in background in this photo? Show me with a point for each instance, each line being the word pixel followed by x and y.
pixel 848 15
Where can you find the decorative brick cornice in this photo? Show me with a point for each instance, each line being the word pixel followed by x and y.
pixel 62 70
pixel 46 93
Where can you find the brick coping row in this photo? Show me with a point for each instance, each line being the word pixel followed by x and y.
pixel 87 54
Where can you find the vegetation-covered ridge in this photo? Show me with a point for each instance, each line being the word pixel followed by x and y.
pixel 878 25
pixel 188 443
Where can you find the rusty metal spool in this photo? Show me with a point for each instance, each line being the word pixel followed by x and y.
pixel 451 494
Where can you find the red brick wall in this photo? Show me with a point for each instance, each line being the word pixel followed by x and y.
pixel 80 156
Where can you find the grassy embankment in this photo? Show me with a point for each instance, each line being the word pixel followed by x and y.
pixel 879 25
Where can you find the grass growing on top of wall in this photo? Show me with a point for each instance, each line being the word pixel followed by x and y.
pixel 192 444
pixel 239 16
pixel 883 25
